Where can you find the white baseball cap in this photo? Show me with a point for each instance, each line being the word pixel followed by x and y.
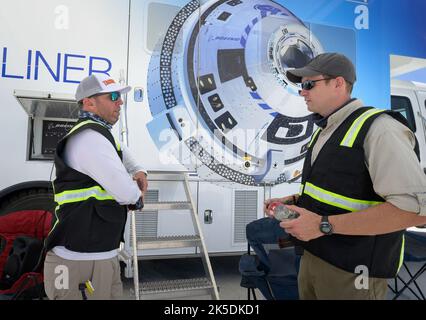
pixel 98 83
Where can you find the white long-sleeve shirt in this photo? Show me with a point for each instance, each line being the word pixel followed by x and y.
pixel 90 153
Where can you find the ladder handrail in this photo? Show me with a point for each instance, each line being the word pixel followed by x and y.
pixel 135 254
pixel 206 259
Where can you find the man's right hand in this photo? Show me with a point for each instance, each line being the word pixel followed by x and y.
pixel 284 200
pixel 137 206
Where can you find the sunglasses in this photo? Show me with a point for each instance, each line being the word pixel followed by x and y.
pixel 114 96
pixel 309 84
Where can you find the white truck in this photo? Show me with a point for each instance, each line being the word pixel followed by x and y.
pixel 209 97
pixel 409 97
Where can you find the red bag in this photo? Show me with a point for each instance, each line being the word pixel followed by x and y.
pixel 22 234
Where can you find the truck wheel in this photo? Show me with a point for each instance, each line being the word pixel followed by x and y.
pixel 30 199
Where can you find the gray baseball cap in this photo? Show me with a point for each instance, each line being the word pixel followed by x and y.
pixel 98 83
pixel 333 64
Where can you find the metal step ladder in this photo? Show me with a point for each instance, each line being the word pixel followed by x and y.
pixel 172 288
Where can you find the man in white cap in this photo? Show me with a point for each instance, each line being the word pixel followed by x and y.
pixel 362 186
pixel 93 188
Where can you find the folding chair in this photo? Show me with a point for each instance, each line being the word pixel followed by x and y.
pixel 415 251
pixel 248 261
pixel 281 281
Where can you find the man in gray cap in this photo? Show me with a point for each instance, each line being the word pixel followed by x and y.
pixel 362 186
pixel 93 188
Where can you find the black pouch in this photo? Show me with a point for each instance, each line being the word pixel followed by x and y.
pixel 23 257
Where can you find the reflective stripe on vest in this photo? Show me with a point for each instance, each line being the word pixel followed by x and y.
pixel 82 124
pixel 401 257
pixel 301 189
pixel 337 200
pixel 117 143
pixel 349 138
pixel 78 195
pixel 314 136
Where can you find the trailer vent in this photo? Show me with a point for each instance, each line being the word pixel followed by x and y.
pixel 245 211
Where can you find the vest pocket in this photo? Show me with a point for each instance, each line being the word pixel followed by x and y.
pixel 347 161
pixel 109 212
pixel 107 227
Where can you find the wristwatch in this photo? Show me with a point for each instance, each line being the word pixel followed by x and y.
pixel 325 226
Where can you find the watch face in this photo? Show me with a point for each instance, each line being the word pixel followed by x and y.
pixel 326 227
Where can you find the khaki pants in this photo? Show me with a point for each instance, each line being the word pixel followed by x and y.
pixel 62 278
pixel 320 280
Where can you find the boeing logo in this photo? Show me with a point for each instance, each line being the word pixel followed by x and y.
pixel 267 8
pixel 226 38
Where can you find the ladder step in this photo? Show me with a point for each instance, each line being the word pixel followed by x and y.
pixel 170 289
pixel 170 205
pixel 169 242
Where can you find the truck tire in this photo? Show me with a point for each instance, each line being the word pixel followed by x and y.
pixel 29 199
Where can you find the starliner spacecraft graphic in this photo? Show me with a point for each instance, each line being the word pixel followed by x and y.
pixel 218 93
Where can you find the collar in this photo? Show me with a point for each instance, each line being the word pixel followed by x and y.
pixel 322 122
pixel 86 114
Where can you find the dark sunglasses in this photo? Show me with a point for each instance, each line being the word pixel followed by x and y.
pixel 309 84
pixel 114 96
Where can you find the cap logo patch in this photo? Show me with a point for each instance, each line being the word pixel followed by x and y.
pixel 108 81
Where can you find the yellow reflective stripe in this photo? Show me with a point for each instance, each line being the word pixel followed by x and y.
pixel 56 208
pixel 117 144
pixel 56 220
pixel 78 195
pixel 301 189
pixel 401 256
pixel 314 136
pixel 350 136
pixel 337 200
pixel 82 124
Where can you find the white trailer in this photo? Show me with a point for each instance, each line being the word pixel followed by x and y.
pixel 209 97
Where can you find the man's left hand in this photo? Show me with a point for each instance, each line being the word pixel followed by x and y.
pixel 142 181
pixel 305 227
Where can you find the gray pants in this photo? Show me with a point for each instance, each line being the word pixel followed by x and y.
pixel 320 280
pixel 62 278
